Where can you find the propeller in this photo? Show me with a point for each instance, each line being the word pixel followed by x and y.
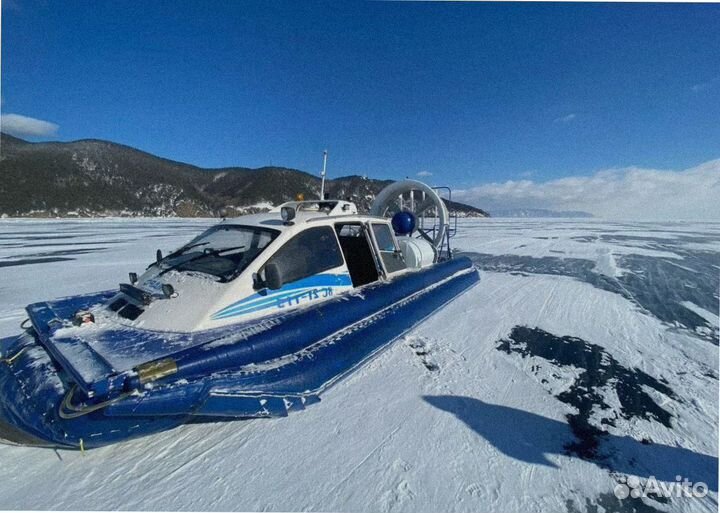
pixel 421 201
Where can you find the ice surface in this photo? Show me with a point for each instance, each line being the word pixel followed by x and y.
pixel 447 419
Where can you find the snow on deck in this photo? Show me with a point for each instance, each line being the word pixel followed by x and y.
pixel 495 403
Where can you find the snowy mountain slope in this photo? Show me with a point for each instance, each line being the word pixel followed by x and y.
pixel 542 388
pixel 95 178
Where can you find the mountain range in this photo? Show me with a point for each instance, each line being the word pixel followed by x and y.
pixel 90 178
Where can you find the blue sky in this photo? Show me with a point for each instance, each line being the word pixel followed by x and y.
pixel 472 93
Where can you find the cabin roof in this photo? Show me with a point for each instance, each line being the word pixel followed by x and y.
pixel 305 211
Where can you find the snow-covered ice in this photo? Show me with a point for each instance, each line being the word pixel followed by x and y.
pixel 587 354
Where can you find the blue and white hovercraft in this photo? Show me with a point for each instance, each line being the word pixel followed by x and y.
pixel 255 317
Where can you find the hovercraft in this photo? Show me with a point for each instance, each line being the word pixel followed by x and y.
pixel 255 317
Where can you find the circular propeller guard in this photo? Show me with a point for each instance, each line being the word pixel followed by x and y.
pixel 419 199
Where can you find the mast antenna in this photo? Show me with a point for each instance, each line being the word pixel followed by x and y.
pixel 322 174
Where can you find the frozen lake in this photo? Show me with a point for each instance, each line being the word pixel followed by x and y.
pixel 588 354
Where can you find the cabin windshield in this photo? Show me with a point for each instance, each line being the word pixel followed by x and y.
pixel 223 251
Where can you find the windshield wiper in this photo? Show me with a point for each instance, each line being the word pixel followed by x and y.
pixel 185 249
pixel 206 252
pixel 176 253
pixel 223 250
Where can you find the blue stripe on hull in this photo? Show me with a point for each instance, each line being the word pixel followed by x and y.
pixel 289 292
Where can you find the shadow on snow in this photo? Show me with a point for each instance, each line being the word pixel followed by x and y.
pixel 528 437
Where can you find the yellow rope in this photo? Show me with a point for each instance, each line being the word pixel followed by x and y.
pixel 14 357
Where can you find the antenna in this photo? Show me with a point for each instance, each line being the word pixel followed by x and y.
pixel 322 182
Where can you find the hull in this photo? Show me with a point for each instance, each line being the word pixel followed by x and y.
pixel 70 391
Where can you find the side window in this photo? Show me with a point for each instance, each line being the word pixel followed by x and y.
pixel 349 230
pixel 392 260
pixel 308 253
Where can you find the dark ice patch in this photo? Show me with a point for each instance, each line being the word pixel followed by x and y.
pixel 37 236
pixel 30 261
pixel 573 267
pixel 421 349
pixel 61 252
pixel 585 238
pixel 676 241
pixel 657 285
pixel 608 502
pixel 599 372
pixel 66 244
pixel 660 285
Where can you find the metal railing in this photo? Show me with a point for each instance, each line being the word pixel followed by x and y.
pixel 445 249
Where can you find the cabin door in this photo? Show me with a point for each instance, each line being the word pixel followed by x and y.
pixel 357 249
